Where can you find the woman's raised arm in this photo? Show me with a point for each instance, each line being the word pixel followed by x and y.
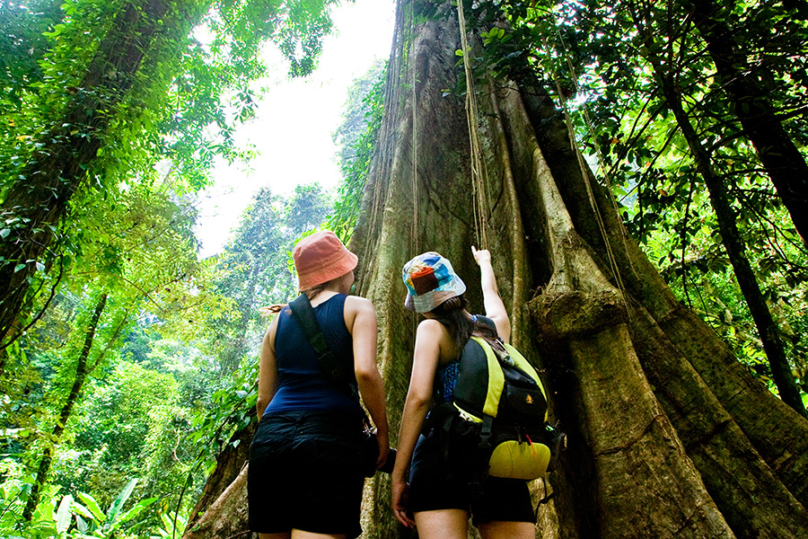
pixel 494 307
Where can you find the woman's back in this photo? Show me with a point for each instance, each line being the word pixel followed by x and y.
pixel 301 382
pixel 449 362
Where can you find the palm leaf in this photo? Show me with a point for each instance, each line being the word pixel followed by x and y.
pixel 92 506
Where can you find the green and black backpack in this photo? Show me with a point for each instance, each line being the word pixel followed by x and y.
pixel 496 423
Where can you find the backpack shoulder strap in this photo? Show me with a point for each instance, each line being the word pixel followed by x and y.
pixel 496 378
pixel 487 321
pixel 334 371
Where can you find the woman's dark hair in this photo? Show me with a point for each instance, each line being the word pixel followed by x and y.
pixel 452 314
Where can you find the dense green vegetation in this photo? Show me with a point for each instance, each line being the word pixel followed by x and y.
pixel 166 376
pixel 123 364
pixel 127 364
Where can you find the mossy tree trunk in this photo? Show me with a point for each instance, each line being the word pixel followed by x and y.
pixel 669 436
pixel 40 197
pixel 83 368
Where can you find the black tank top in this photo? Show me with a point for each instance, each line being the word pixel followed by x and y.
pixel 301 383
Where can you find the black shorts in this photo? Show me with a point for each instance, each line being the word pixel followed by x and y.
pixel 305 474
pixel 431 488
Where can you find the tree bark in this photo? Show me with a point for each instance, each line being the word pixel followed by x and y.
pixel 781 158
pixel 669 436
pixel 749 403
pixel 227 517
pixel 229 464
pixel 67 409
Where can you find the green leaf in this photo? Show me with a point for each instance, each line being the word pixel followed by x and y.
pixel 133 512
pixel 5 232
pixel 18 267
pixel 63 515
pixel 167 522
pixel 81 510
pixel 120 500
pixel 81 524
pixel 92 505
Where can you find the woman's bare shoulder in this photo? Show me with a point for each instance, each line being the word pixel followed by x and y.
pixel 269 336
pixel 431 328
pixel 358 304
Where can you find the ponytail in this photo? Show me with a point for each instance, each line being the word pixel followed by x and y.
pixel 453 315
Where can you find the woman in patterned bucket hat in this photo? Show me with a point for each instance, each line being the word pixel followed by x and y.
pixel 309 429
pixel 436 503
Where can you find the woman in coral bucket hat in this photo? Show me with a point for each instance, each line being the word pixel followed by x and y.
pixel 434 500
pixel 306 469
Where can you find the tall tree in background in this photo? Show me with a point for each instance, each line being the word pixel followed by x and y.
pixel 356 113
pixel 254 265
pixel 669 435
pixel 38 201
pixel 357 136
pixel 747 91
pixel 144 257
pixel 84 367
pixel 721 202
pixel 249 265
pixel 112 93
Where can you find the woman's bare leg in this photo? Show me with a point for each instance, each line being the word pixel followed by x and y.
pixel 442 524
pixel 300 534
pixel 508 530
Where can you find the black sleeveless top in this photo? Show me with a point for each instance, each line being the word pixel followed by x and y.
pixel 301 383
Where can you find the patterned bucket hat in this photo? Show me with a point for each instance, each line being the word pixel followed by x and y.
pixel 430 280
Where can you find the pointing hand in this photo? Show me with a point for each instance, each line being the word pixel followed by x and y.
pixel 481 256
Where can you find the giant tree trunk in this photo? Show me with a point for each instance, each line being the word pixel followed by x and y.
pixel 669 436
pixel 229 464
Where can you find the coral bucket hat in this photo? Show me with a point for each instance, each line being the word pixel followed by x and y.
pixel 320 258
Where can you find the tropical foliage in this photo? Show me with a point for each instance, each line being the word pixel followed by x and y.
pixel 120 345
pixel 128 364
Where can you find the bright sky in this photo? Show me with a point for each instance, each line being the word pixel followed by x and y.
pixel 293 126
